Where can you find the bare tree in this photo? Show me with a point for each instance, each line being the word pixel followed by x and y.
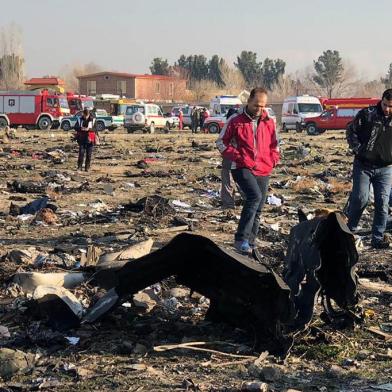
pixel 284 87
pixel 204 90
pixel 372 88
pixel 11 58
pixel 233 80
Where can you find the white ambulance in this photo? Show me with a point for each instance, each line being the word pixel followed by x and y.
pixel 220 105
pixel 296 109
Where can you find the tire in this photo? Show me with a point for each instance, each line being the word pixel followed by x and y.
pixel 66 126
pixel 151 128
pixel 213 128
pixel 100 126
pixel 284 128
pixel 138 118
pixel 44 123
pixel 298 127
pixel 3 123
pixel 129 130
pixel 311 129
pixel 168 127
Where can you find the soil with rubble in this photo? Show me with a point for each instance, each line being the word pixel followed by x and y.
pixel 117 353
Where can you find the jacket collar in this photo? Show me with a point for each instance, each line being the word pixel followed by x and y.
pixel 263 117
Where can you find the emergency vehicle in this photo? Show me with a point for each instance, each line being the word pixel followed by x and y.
pixel 296 109
pixel 115 106
pixel 79 102
pixel 215 124
pixel 32 109
pixel 219 106
pixel 338 114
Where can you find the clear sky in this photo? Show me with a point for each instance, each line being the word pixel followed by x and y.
pixel 124 35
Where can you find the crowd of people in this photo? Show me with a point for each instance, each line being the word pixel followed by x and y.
pixel 249 146
pixel 250 149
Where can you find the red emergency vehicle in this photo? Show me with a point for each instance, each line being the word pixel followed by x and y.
pixel 32 109
pixel 77 103
pixel 337 114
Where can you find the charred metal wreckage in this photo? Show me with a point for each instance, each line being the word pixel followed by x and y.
pixel 320 262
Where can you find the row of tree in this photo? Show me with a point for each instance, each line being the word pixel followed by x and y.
pixel 329 75
pixel 196 68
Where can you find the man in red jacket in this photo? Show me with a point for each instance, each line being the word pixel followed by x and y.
pixel 249 141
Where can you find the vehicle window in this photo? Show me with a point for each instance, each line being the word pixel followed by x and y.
pixel 62 102
pixel 87 104
pixel 309 108
pixel 50 102
pixel 153 110
pixel 326 114
pixel 295 110
pixel 345 112
pixel 134 109
pixel 290 108
pixel 271 113
pixel 160 113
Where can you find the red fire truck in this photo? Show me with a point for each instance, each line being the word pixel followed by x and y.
pixel 77 103
pixel 337 114
pixel 32 109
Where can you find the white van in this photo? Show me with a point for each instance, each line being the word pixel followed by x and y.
pixel 220 105
pixel 296 109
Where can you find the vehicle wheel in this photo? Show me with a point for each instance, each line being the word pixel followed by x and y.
pixel 298 127
pixel 66 126
pixel 284 128
pixel 100 126
pixel 311 129
pixel 168 126
pixel 44 123
pixel 3 123
pixel 152 128
pixel 129 130
pixel 213 128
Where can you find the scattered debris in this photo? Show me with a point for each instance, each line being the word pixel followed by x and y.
pixel 29 281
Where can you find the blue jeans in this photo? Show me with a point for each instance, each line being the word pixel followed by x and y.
pixel 254 189
pixel 381 179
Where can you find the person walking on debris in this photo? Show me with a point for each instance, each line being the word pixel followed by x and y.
pixel 195 118
pixel 203 118
pixel 369 136
pixel 180 119
pixel 249 141
pixel 227 189
pixel 86 138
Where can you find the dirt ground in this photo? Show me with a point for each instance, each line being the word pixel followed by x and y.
pixel 117 353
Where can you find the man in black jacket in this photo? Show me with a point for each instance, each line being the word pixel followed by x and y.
pixel 369 136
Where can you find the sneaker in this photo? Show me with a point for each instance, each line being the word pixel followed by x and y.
pixel 380 244
pixel 243 246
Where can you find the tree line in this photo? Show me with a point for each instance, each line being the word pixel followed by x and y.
pixel 328 73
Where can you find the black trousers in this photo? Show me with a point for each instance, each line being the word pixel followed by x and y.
pixel 85 150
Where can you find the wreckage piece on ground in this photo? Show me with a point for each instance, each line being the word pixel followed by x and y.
pixel 241 292
pixel 321 260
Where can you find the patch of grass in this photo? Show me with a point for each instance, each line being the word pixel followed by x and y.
pixel 320 352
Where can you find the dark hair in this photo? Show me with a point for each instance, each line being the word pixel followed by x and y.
pixel 257 90
pixel 86 111
pixel 387 94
